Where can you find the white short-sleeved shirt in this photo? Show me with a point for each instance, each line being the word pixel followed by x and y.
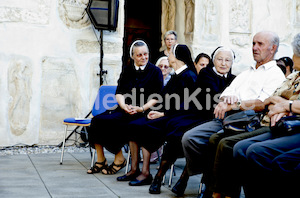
pixel 255 83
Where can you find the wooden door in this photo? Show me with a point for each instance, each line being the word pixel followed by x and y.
pixel 142 21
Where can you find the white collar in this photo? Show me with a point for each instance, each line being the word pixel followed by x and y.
pixel 266 65
pixel 215 70
pixel 178 71
pixel 138 67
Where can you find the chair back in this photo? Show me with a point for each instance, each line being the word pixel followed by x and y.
pixel 105 99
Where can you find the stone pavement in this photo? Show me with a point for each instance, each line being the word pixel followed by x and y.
pixel 41 176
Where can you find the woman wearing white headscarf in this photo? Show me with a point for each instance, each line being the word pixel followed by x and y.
pixel 109 128
pixel 149 133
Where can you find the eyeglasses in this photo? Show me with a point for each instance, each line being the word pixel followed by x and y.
pixel 163 66
pixel 227 61
pixel 170 39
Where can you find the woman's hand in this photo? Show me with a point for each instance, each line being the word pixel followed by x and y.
pixel 129 109
pixel 138 109
pixel 154 115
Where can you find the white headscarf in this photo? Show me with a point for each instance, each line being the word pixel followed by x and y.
pixel 223 49
pixel 131 47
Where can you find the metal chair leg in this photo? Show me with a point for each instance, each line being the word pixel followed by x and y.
pixel 93 157
pixel 63 146
pixel 200 188
pixel 128 158
pixel 171 174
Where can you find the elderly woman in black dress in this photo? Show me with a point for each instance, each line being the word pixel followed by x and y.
pixel 211 80
pixel 148 133
pixel 109 128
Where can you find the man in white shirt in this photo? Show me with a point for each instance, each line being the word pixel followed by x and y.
pixel 247 91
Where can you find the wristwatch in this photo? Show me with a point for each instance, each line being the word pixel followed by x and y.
pixel 239 104
pixel 290 105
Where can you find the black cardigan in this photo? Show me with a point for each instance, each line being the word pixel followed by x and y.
pixel 146 82
pixel 212 85
pixel 177 84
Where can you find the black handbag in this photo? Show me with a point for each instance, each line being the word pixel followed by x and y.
pixel 288 125
pixel 243 121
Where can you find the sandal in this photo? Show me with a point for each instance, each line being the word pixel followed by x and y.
pixel 97 169
pixel 112 169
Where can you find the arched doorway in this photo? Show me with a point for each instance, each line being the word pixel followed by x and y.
pixel 142 21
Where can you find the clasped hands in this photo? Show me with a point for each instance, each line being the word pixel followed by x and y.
pixel 132 109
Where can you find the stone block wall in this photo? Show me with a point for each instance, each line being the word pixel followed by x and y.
pixel 49 60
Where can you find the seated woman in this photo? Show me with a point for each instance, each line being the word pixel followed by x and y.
pixel 109 128
pixel 165 68
pixel 201 61
pixel 148 133
pixel 209 79
pixel 167 71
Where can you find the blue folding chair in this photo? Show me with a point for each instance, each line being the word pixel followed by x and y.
pixel 105 100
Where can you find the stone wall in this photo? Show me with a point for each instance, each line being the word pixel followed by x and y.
pixel 49 54
pixel 233 23
pixel 49 60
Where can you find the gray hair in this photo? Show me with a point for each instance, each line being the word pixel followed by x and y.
pixel 296 45
pixel 274 39
pixel 171 32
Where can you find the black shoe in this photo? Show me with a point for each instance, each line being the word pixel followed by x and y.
pixel 143 182
pixel 155 186
pixel 180 187
pixel 129 177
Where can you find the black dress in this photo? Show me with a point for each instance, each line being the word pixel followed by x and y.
pixel 109 129
pixel 150 134
pixel 209 83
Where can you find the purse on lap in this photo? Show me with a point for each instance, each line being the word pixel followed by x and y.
pixel 288 125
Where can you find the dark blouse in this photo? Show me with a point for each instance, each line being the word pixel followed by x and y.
pixel 145 82
pixel 212 85
pixel 178 84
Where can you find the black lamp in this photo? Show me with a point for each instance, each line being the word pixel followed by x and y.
pixel 103 14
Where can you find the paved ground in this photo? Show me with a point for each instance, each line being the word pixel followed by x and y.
pixel 41 175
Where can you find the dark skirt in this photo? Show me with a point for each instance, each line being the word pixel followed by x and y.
pixel 110 129
pixel 149 134
pixel 175 128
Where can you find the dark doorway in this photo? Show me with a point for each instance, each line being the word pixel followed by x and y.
pixel 142 21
